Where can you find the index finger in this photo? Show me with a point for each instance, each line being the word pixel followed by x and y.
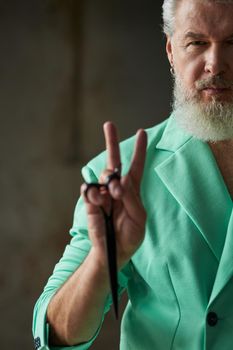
pixel 112 146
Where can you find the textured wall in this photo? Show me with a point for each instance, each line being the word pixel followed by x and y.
pixel 48 120
pixel 125 68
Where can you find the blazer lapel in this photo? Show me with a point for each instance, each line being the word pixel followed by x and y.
pixel 225 269
pixel 191 175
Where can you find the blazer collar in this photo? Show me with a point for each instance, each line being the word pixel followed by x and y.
pixel 192 176
pixel 173 137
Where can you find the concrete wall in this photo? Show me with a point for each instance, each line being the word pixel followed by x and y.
pixel 56 89
pixel 125 68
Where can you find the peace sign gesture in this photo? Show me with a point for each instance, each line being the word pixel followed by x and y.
pixel 123 194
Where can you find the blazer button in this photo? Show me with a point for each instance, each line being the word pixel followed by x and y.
pixel 212 319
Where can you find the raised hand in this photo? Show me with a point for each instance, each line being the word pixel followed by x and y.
pixel 124 194
pixel 76 310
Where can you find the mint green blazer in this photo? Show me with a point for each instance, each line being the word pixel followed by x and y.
pixel 179 282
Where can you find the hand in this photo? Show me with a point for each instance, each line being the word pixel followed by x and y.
pixel 128 212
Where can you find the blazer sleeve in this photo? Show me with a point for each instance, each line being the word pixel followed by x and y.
pixel 73 256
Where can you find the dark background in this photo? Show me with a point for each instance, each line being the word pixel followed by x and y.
pixel 65 68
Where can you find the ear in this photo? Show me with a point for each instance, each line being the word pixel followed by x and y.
pixel 169 51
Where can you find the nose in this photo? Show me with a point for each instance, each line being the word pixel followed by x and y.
pixel 215 60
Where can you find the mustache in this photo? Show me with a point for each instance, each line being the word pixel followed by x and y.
pixel 215 81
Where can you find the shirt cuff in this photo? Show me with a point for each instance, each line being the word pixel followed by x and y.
pixel 41 329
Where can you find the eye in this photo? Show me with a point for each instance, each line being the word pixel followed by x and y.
pixel 197 43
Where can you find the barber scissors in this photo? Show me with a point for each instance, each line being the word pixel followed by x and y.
pixel 110 239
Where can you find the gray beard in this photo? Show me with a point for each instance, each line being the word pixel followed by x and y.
pixel 209 122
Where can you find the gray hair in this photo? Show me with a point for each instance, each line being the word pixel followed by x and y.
pixel 169 9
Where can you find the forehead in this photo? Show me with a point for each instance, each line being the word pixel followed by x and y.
pixel 214 19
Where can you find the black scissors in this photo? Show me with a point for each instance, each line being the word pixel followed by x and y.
pixel 110 239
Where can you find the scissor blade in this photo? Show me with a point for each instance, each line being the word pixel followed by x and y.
pixel 112 261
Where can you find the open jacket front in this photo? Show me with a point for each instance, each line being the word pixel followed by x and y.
pixel 179 282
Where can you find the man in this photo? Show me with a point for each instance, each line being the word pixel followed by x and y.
pixel 172 210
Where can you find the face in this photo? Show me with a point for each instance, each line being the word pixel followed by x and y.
pixel 201 49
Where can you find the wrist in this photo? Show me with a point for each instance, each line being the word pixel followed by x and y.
pixel 98 260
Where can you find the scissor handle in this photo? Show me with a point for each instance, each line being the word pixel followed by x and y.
pixel 110 240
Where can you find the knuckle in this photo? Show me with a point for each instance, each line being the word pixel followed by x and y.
pixel 90 193
pixel 83 188
pixel 104 175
